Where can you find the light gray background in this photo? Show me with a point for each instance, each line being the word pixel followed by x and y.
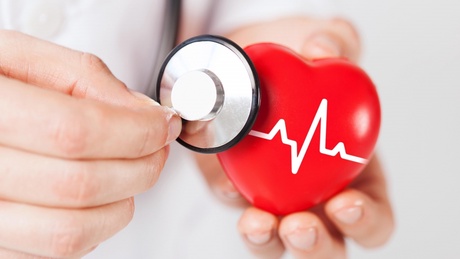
pixel 412 52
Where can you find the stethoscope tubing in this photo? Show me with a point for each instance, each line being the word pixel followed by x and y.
pixel 168 39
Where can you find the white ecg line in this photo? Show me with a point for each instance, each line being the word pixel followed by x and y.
pixel 296 159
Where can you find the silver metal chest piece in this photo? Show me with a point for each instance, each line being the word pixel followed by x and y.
pixel 213 86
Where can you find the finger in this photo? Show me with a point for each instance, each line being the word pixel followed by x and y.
pixel 5 253
pixel 332 38
pixel 259 232
pixel 364 213
pixel 60 233
pixel 218 181
pixel 305 236
pixel 311 37
pixel 52 123
pixel 53 182
pixel 48 65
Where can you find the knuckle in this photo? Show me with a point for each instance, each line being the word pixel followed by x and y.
pixel 68 238
pixel 71 135
pixel 78 186
pixel 92 63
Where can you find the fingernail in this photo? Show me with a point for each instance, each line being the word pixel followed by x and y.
pixel 321 47
pixel 228 190
pixel 303 238
pixel 349 215
pixel 259 238
pixel 175 127
pixel 232 195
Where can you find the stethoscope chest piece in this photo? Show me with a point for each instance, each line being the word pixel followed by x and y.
pixel 213 86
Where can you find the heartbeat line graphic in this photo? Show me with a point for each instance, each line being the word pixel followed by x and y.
pixel 297 158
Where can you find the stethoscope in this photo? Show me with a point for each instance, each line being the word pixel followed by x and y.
pixel 213 86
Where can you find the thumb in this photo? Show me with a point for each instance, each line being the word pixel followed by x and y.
pixel 320 46
pixel 47 65
pixel 336 38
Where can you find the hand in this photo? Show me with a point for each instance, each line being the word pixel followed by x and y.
pixel 75 147
pixel 362 212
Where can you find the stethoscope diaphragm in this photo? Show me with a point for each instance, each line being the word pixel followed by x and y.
pixel 213 86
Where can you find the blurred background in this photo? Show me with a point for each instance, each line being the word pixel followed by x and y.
pixel 412 52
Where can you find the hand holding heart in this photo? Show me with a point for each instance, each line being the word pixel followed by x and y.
pixel 361 212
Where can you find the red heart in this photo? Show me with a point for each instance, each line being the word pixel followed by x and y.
pixel 317 127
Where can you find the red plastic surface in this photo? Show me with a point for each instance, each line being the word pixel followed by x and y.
pixel 317 127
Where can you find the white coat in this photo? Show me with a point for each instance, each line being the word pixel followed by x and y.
pixel 179 217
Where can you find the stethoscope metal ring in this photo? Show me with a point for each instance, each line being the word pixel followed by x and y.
pixel 213 85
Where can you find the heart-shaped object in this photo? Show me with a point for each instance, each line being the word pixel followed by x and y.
pixel 316 129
